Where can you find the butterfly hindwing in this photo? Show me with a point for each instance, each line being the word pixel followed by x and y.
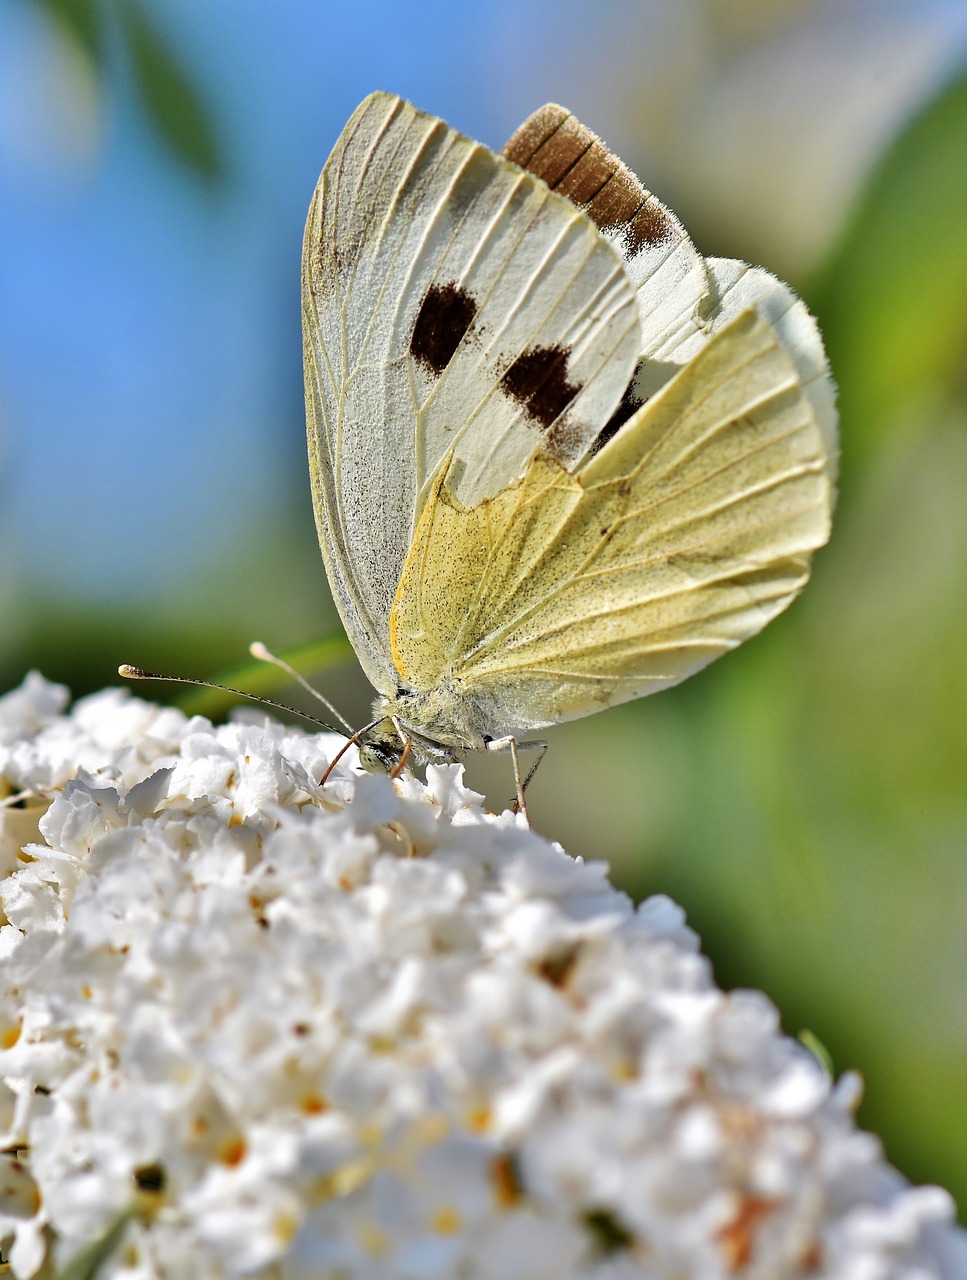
pixel 682 537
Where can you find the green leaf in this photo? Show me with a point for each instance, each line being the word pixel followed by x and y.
pixel 79 19
pixel 892 299
pixel 170 99
pixel 809 1040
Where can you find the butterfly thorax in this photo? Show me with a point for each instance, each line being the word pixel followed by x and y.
pixel 440 724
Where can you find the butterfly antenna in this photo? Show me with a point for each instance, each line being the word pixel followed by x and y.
pixel 258 650
pixel 136 673
pixel 356 738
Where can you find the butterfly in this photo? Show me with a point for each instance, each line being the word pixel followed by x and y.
pixel 559 459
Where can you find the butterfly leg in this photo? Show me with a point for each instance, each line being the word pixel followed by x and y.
pixel 514 747
pixel 537 745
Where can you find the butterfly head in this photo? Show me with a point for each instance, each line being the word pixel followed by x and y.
pixel 433 727
pixel 381 748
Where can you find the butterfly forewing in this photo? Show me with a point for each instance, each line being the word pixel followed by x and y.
pixel 453 306
pixel 668 271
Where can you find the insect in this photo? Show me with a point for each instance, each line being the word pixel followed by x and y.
pixel 559 459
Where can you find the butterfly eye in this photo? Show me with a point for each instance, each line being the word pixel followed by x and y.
pixel 380 757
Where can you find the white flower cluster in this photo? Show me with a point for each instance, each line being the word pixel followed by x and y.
pixel 372 1031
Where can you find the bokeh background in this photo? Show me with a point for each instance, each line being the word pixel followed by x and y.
pixel 806 798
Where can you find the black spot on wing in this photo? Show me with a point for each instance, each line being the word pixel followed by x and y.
pixel 652 224
pixel 445 315
pixel 538 381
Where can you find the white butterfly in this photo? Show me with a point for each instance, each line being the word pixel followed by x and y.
pixel 559 460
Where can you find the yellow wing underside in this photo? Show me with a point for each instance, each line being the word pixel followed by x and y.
pixel 688 531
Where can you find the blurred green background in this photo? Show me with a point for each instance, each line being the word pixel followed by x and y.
pixel 806 798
